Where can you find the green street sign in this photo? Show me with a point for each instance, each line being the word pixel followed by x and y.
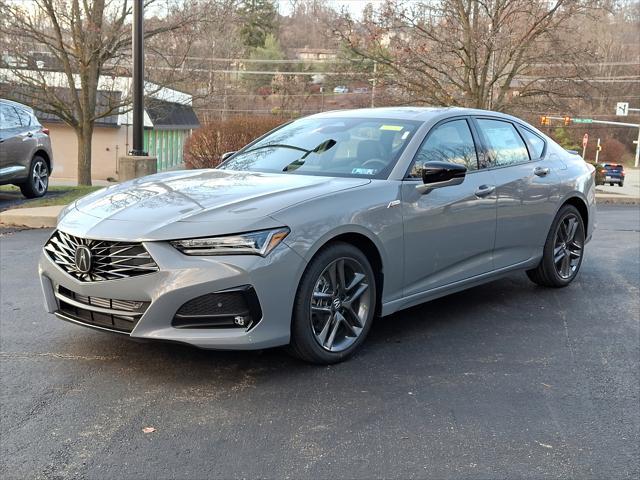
pixel 582 120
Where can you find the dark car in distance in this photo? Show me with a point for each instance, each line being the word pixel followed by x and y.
pixel 26 159
pixel 610 173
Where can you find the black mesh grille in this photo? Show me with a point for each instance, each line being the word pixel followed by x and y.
pixel 235 308
pixel 232 303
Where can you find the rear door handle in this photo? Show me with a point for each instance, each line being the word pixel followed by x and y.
pixel 485 190
pixel 541 171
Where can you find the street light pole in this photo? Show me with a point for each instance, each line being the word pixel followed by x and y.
pixel 138 79
pixel 137 163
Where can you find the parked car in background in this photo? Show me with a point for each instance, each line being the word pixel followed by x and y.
pixel 26 159
pixel 611 173
pixel 305 235
pixel 341 89
pixel 361 90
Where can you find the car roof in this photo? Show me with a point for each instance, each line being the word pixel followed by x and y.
pixel 16 104
pixel 410 113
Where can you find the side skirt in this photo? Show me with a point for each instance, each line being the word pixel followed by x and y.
pixel 422 297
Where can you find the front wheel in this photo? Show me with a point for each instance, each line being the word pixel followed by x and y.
pixel 37 183
pixel 334 305
pixel 563 250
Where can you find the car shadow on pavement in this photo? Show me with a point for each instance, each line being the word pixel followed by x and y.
pixel 444 329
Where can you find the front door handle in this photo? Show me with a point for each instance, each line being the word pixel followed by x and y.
pixel 485 190
pixel 541 171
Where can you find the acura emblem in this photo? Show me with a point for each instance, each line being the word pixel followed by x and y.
pixel 83 259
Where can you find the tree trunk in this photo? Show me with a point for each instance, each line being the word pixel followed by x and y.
pixel 84 135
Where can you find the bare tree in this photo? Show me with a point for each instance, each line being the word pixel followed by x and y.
pixel 83 42
pixel 470 52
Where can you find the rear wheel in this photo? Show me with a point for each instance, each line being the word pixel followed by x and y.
pixel 37 183
pixel 563 250
pixel 334 305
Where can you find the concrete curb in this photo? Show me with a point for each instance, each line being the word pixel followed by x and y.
pixel 41 217
pixel 617 200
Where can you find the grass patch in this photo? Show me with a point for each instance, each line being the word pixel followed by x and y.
pixel 58 195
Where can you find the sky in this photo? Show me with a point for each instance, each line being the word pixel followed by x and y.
pixel 354 6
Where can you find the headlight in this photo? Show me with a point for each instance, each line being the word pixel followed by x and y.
pixel 251 243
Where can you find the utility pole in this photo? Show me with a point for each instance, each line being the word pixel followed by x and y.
pixel 637 142
pixel 138 79
pixel 138 163
pixel 597 150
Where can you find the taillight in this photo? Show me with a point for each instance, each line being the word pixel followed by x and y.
pixel 45 131
pixel 603 171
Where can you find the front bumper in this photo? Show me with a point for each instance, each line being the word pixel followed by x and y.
pixel 182 278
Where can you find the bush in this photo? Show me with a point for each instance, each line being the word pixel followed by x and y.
pixel 207 144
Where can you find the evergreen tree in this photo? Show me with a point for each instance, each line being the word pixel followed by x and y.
pixel 269 51
pixel 259 20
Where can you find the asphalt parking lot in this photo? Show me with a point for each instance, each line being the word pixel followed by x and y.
pixel 506 380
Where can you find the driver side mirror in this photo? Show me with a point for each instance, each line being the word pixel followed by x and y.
pixel 226 155
pixel 441 174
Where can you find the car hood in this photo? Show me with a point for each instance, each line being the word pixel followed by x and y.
pixel 194 202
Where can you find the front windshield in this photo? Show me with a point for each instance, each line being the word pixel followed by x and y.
pixel 340 147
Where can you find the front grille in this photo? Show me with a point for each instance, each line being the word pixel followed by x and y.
pixel 234 308
pixel 109 260
pixel 118 315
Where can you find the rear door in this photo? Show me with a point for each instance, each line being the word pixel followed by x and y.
pixel 526 180
pixel 449 232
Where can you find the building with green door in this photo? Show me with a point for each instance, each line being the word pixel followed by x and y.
pixel 167 127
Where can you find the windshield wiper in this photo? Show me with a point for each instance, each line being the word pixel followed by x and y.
pixel 279 145
pixel 323 147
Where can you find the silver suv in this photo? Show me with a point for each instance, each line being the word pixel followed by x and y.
pixel 26 158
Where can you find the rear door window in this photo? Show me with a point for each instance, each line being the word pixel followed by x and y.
pixel 9 117
pixel 504 144
pixel 536 143
pixel 25 118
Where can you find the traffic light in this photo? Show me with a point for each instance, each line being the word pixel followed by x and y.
pixel 567 121
pixel 545 121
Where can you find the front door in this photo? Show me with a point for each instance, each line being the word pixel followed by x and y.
pixel 449 232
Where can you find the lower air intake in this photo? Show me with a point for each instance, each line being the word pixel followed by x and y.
pixel 234 308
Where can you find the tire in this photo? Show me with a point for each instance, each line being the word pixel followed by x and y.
pixel 37 182
pixel 332 317
pixel 566 248
pixel 621 183
pixel 611 184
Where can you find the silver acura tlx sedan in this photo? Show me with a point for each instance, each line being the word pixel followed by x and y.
pixel 305 235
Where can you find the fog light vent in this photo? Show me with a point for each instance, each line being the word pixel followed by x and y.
pixel 234 308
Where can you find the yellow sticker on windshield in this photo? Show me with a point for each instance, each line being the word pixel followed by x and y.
pixel 394 128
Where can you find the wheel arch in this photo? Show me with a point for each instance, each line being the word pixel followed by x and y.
pixel 47 158
pixel 581 206
pixel 366 245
